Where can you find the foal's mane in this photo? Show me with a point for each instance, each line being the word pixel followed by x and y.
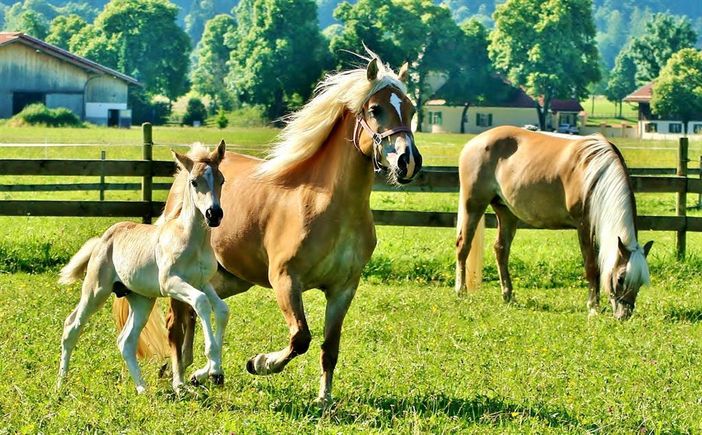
pixel 308 128
pixel 199 154
pixel 610 207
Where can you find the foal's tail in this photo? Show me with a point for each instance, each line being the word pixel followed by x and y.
pixel 153 341
pixel 474 263
pixel 76 267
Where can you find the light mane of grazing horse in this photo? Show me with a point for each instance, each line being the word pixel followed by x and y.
pixel 301 219
pixel 552 182
pixel 143 262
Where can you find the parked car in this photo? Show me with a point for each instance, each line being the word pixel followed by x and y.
pixel 567 129
pixel 531 127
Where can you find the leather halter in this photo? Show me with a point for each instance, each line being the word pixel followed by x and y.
pixel 377 138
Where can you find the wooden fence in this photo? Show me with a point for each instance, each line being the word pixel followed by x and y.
pixel 430 179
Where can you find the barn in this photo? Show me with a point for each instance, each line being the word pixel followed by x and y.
pixel 32 71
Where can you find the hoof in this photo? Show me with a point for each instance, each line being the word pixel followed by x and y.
pixel 164 371
pixel 323 402
pixel 195 382
pixel 217 379
pixel 250 366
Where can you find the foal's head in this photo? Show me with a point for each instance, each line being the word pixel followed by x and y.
pixel 204 181
pixel 629 274
pixel 383 128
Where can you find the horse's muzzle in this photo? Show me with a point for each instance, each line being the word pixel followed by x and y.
pixel 214 216
pixel 408 165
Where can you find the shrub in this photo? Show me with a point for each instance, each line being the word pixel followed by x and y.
pixel 248 116
pixel 221 119
pixel 144 109
pixel 39 114
pixel 196 111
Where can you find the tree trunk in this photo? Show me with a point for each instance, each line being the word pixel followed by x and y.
pixel 420 112
pixel 276 111
pixel 463 117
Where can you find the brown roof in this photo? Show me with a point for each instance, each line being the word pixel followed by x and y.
pixel 641 95
pixel 52 50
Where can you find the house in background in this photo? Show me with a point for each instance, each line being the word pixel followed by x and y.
pixel 651 126
pixel 508 106
pixel 32 71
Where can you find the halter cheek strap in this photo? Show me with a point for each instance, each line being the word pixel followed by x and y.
pixel 377 138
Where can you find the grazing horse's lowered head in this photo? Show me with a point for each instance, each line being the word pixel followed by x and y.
pixel 629 273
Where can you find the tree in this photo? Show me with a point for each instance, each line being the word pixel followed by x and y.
pixel 546 47
pixel 142 39
pixel 32 23
pixel 664 35
pixel 622 79
pixel 63 28
pixel 276 53
pixel 195 111
pixel 677 93
pixel 212 53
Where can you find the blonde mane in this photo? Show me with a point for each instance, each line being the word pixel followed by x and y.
pixel 198 152
pixel 308 128
pixel 611 209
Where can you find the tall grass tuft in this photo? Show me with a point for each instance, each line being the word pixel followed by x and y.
pixel 39 114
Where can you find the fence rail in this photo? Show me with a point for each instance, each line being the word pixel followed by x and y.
pixel 430 179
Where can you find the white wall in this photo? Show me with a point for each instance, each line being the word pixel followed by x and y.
pixel 663 130
pixel 451 118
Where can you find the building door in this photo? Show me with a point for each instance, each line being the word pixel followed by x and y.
pixel 22 99
pixel 113 117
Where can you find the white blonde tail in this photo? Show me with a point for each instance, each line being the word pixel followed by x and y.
pixel 76 267
pixel 153 341
pixel 474 262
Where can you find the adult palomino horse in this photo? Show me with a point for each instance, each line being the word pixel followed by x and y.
pixel 302 219
pixel 143 262
pixel 552 182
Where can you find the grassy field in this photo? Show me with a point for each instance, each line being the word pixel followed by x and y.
pixel 413 359
pixel 600 111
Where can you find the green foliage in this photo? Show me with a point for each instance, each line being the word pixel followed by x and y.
pixel 677 93
pixel 33 24
pixel 196 111
pixel 147 109
pixel 248 116
pixel 622 80
pixel 664 35
pixel 221 119
pixel 276 52
pixel 39 114
pixel 63 28
pixel 211 69
pixel 546 47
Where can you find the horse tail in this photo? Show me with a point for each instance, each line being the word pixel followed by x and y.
pixel 474 264
pixel 76 267
pixel 153 341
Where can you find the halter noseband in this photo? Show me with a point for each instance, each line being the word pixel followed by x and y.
pixel 377 138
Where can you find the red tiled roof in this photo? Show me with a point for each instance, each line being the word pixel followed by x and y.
pixel 571 105
pixel 641 95
pixel 81 62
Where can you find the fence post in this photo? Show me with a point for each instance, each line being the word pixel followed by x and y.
pixel 102 175
pixel 681 206
pixel 147 180
pixel 699 195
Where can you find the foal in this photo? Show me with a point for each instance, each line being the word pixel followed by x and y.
pixel 142 262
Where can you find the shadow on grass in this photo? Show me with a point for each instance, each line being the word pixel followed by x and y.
pixel 480 410
pixel 690 315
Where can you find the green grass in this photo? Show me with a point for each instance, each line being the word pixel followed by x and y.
pixel 414 358
pixel 604 112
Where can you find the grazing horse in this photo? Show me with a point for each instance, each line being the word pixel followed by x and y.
pixel 552 182
pixel 301 219
pixel 143 262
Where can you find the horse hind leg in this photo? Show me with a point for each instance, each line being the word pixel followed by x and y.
pixel 129 336
pixel 506 230
pixel 95 292
pixel 470 230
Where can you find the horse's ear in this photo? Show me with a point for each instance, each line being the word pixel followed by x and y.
pixel 218 154
pixel 623 249
pixel 184 161
pixel 647 247
pixel 372 70
pixel 403 75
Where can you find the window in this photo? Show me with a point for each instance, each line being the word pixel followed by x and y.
pixel 483 119
pixel 435 118
pixel 697 128
pixel 675 127
pixel 651 127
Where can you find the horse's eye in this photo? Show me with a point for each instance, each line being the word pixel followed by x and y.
pixel 222 182
pixel 375 111
pixel 193 182
pixel 620 280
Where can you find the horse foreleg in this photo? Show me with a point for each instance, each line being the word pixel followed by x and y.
pixel 129 336
pixel 468 220
pixel 506 230
pixel 592 271
pixel 338 302
pixel 289 297
pixel 221 314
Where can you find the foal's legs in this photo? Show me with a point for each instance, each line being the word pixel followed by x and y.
pixel 221 314
pixel 96 290
pixel 128 339
pixel 289 297
pixel 592 270
pixel 470 213
pixel 338 302
pixel 506 229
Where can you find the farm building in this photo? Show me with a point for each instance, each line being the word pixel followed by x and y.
pixel 33 71
pixel 512 107
pixel 652 126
